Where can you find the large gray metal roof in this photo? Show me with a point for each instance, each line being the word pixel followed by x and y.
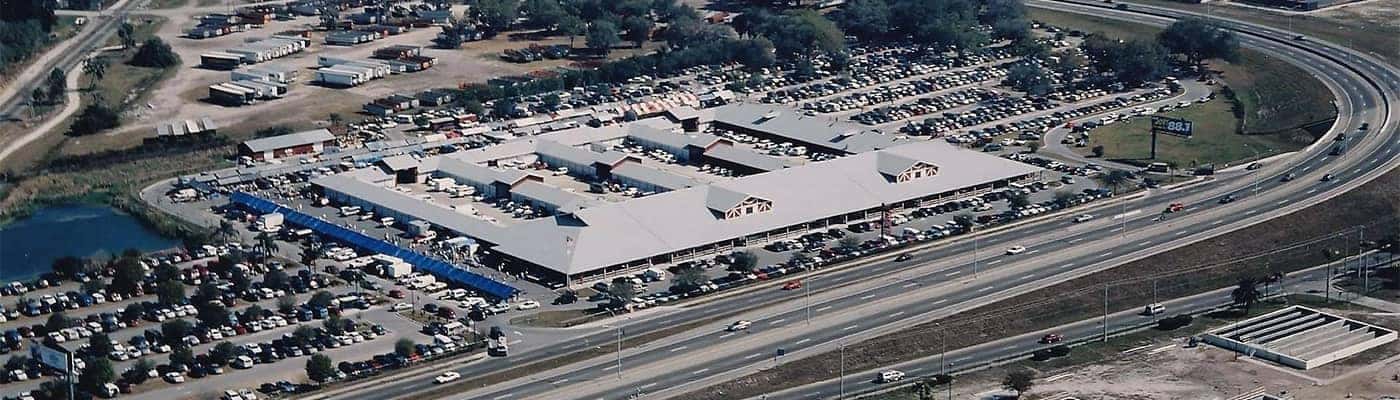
pixel 746 158
pixel 829 133
pixel 611 234
pixel 653 176
pixel 289 140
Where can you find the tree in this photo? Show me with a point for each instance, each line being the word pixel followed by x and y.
pixel 542 13
pixel 212 313
pixel 690 278
pixel 334 325
pixel 175 330
pixel 58 321
pixel 1116 178
pixel 57 84
pixel 405 347
pixel 99 345
pixel 638 29
pixel 227 230
pixel 1246 293
pixel 1098 151
pixel 965 220
pixel 240 280
pixel 1064 198
pixel 1199 40
pixel 1019 381
pixel 866 19
pixel 252 313
pixel 804 34
pixel 97 373
pixel 321 299
pixel 849 242
pixel 744 261
pixel 181 354
pixel 1028 77
pixel 267 244
pixel 94 118
pixel 939 24
pixel 127 34
pixel 622 291
pixel 133 311
pixel 570 26
pixel 286 305
pixel 96 69
pixel 503 108
pixel 68 266
pixel 497 15
pixel 155 53
pixel 140 371
pixel 602 36
pixel 222 353
pixel 320 368
pixel 1033 146
pixel 756 53
pixel 275 279
pixel 925 389
pixel 1018 200
pixel 170 292
pixel 17 362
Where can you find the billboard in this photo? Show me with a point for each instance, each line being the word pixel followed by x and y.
pixel 52 357
pixel 1171 126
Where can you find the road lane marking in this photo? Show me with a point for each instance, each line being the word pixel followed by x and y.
pixel 1024 277
pixel 1106 254
pixel 1179 233
pixel 1064 266
pixel 1250 211
pixel 726 335
pixel 911 284
pixel 1313 190
pixel 1218 222
pixel 1144 243
pixel 897 313
pixel 1033 251
pixel 824 308
pixel 777 321
pixel 1281 202
pixel 649 385
pixel 560 382
pixel 984 289
pixel 1116 229
pixel 701 371
pixel 1076 240
pixel 994 262
pixel 504 396
pixel 609 367
pixel 752 356
pixel 804 340
pixel 963 359
pixel 867 297
pixel 673 350
pixel 952 273
pixel 940 301
pixel 850 327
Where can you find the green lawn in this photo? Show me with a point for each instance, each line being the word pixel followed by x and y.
pixel 160 4
pixel 1214 139
pixel 1284 107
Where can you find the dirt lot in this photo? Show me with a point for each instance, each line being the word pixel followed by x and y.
pixel 180 97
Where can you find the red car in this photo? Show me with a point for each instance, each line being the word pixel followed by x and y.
pixel 1052 338
pixel 792 285
pixel 398 294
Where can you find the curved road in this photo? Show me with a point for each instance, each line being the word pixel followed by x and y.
pixel 884 296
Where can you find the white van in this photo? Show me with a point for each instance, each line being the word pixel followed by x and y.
pixel 1154 309
pixel 890 376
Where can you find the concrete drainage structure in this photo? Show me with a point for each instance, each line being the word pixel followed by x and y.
pixel 1300 337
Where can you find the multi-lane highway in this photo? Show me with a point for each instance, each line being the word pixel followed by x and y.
pixel 67 56
pixel 885 295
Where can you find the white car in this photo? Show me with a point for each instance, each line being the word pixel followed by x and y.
pixel 448 376
pixel 1083 218
pixel 402 306
pixel 528 305
pixel 498 308
pixel 174 377
pixel 1013 250
pixel 739 325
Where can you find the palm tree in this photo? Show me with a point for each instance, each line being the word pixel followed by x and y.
pixel 336 119
pixel 96 69
pixel 308 258
pixel 226 230
pixel 1116 178
pixel 267 243
pixel 1245 294
pixel 924 389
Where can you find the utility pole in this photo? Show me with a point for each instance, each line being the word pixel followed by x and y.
pixel 843 370
pixel 975 241
pixel 807 293
pixel 1154 300
pixel 1105 312
pixel 619 352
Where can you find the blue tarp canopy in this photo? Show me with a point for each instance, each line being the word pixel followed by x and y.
pixel 431 265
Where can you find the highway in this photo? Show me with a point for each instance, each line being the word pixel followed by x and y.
pixel 883 296
pixel 14 99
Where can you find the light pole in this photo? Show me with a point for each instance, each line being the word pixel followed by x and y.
pixel 843 369
pixel 807 298
pixel 975 243
pixel 1256 175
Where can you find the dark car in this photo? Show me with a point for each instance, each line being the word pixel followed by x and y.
pixel 1052 338
pixel 1229 198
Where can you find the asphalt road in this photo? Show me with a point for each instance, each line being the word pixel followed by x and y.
pixel 97 33
pixel 1360 104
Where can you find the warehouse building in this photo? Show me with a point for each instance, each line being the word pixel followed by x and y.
pixel 308 142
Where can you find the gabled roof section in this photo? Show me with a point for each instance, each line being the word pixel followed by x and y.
pixel 893 165
pixel 720 199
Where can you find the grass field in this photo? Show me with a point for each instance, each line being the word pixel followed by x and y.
pixel 1373 32
pixel 558 318
pixel 1214 140
pixel 1278 101
pixel 162 4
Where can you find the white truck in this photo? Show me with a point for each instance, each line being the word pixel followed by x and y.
pixel 270 222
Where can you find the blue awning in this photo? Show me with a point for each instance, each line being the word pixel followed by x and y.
pixel 431 265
